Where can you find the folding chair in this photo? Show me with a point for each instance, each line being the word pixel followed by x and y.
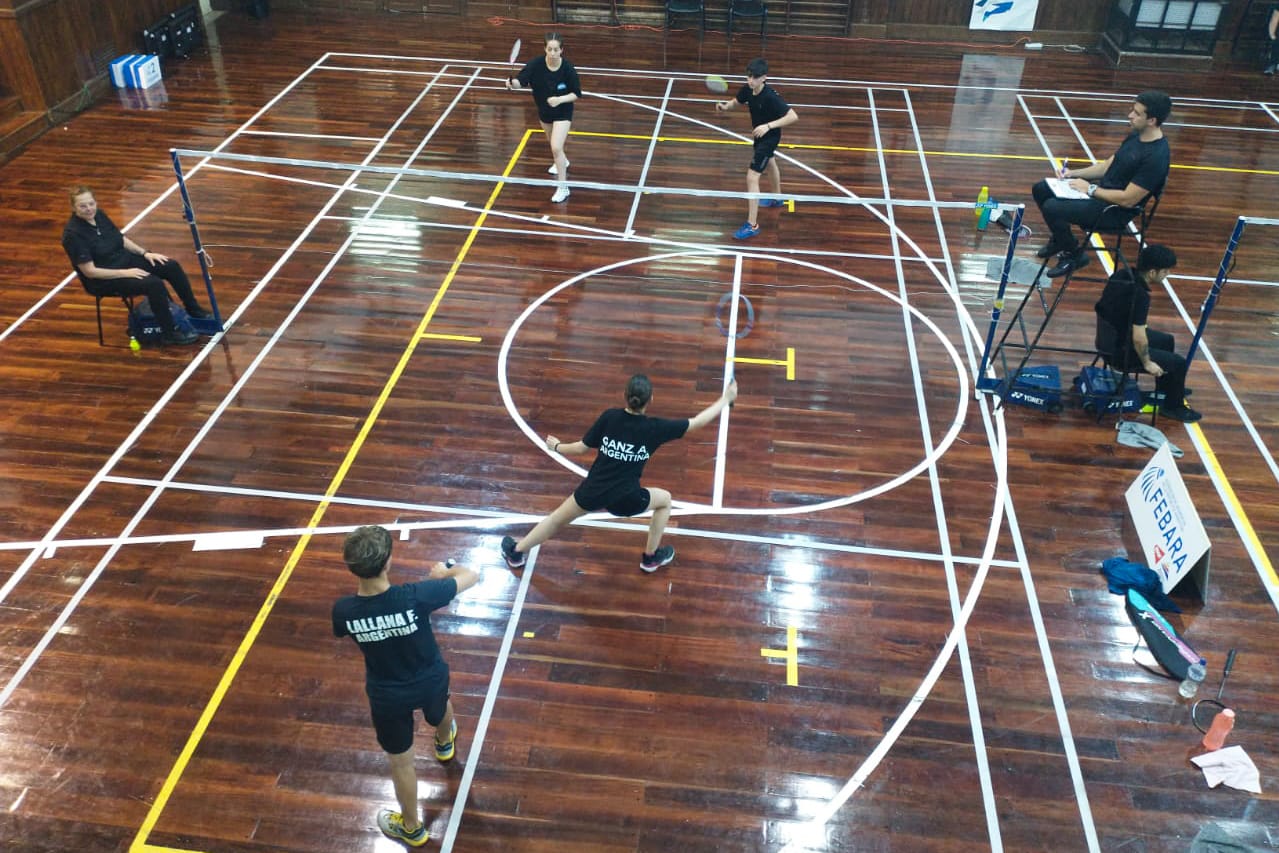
pixel 128 304
pixel 1114 353
pixel 1143 213
pixel 748 9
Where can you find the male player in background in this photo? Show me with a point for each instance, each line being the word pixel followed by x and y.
pixel 769 114
pixel 403 667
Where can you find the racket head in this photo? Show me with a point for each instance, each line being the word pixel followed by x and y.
pixel 716 84
pixel 515 52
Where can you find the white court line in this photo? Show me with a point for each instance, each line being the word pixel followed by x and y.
pixel 233 394
pixel 824 82
pixel 318 137
pixel 648 162
pixel 730 356
pixel 1270 112
pixel 490 701
pixel 1171 124
pixel 939 509
pixel 170 190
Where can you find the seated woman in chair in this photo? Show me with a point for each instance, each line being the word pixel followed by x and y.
pixel 1125 341
pixel 110 264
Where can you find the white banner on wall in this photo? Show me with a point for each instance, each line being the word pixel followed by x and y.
pixel 1004 15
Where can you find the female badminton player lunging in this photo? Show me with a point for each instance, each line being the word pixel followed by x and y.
pixel 555 86
pixel 625 439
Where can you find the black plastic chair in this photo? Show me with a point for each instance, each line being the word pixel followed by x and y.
pixel 748 9
pixel 128 304
pixel 675 8
pixel 1114 353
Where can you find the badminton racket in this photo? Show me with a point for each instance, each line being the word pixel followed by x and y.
pixel 716 84
pixel 515 52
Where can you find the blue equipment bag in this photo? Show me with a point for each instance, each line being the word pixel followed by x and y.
pixel 1097 386
pixel 145 329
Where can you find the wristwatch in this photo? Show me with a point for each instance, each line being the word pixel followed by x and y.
pixel 1092 190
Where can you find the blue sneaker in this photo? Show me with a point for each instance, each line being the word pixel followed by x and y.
pixel 746 232
pixel 771 202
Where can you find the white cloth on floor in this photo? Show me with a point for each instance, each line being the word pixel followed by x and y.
pixel 1136 434
pixel 1232 766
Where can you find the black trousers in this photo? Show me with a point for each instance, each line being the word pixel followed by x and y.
pixel 1161 349
pixel 1061 213
pixel 152 287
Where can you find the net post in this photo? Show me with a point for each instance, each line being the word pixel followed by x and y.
pixel 983 383
pixel 214 325
pixel 1222 273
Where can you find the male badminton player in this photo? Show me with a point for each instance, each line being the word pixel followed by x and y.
pixel 403 668
pixel 769 114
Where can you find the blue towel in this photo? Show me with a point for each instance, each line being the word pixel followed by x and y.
pixel 1122 575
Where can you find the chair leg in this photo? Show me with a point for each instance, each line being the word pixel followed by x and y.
pixel 97 305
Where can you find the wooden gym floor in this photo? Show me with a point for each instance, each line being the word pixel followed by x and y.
pixel 173 519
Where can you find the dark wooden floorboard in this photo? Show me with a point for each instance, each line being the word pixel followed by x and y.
pixel 635 712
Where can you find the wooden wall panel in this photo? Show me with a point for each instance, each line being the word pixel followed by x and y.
pixel 53 48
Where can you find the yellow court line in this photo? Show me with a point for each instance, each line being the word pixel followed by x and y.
pixel 1210 460
pixel 139 844
pixel 914 152
pixel 435 336
pixel 790 653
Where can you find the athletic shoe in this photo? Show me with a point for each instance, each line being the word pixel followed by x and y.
pixel 554 170
pixel 561 194
pixel 392 824
pixel 179 338
pixel 1047 251
pixel 654 561
pixel 444 751
pixel 746 232
pixel 1270 70
pixel 514 559
pixel 1067 263
pixel 198 313
pixel 1182 413
pixel 771 202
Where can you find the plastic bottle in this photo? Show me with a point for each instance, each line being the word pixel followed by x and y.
pixel 134 345
pixel 1221 726
pixel 1194 677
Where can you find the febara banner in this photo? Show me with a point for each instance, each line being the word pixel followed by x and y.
pixel 1173 541
pixel 1004 15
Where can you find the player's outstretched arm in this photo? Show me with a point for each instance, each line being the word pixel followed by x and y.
pixel 566 448
pixel 709 413
pixel 465 578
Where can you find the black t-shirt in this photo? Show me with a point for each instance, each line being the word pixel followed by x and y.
pixel 1124 302
pixel 401 657
pixel 546 83
pixel 765 107
pixel 625 443
pixel 100 242
pixel 1145 164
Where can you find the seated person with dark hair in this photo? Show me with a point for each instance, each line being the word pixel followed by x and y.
pixel 1123 306
pixel 110 264
pixel 1138 169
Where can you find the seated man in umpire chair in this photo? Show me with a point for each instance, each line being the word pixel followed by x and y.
pixel 110 264
pixel 1115 190
pixel 1125 341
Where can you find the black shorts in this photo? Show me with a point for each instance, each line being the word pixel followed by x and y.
pixel 632 503
pixel 394 724
pixel 764 148
pixel 550 115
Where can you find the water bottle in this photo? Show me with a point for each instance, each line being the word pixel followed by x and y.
pixel 1194 677
pixel 1221 726
pixel 134 345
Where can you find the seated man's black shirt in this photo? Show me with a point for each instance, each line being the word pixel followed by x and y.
pixel 102 243
pixel 1124 302
pixel 1145 164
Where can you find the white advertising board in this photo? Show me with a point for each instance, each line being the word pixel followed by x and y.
pixel 1173 541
